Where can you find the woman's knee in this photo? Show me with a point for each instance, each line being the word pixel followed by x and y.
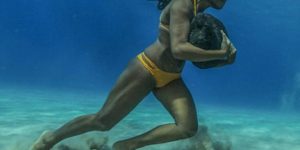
pixel 188 131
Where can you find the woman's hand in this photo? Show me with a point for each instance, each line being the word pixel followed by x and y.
pixel 232 54
pixel 225 45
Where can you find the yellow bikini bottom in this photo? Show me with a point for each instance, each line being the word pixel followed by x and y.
pixel 161 77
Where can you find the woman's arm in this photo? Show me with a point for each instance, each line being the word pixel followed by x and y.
pixel 179 31
pixel 220 63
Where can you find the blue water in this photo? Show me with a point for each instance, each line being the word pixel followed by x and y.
pixel 67 55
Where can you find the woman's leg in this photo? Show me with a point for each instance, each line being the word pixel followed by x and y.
pixel 177 99
pixel 131 87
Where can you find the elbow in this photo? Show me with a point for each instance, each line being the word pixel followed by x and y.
pixel 177 52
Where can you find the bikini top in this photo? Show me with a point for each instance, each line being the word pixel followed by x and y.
pixel 166 26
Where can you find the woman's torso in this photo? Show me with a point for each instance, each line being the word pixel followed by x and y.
pixel 160 51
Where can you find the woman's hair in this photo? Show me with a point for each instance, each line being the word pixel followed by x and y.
pixel 162 4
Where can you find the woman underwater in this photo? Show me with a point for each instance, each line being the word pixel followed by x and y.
pixel 157 69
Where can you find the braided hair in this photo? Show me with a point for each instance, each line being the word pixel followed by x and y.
pixel 162 4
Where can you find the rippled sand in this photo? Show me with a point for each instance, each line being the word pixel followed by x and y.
pixel 26 112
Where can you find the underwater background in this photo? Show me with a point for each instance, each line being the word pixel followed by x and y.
pixel 60 58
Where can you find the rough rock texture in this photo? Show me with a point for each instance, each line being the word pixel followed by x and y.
pixel 206 33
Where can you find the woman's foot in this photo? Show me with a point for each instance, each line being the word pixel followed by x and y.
pixel 43 142
pixel 123 145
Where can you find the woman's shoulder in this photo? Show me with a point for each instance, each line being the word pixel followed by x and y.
pixel 181 7
pixel 181 4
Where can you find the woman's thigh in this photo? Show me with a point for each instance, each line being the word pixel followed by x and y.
pixel 177 99
pixel 134 83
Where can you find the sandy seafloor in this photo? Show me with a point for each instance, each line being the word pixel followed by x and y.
pixel 26 112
